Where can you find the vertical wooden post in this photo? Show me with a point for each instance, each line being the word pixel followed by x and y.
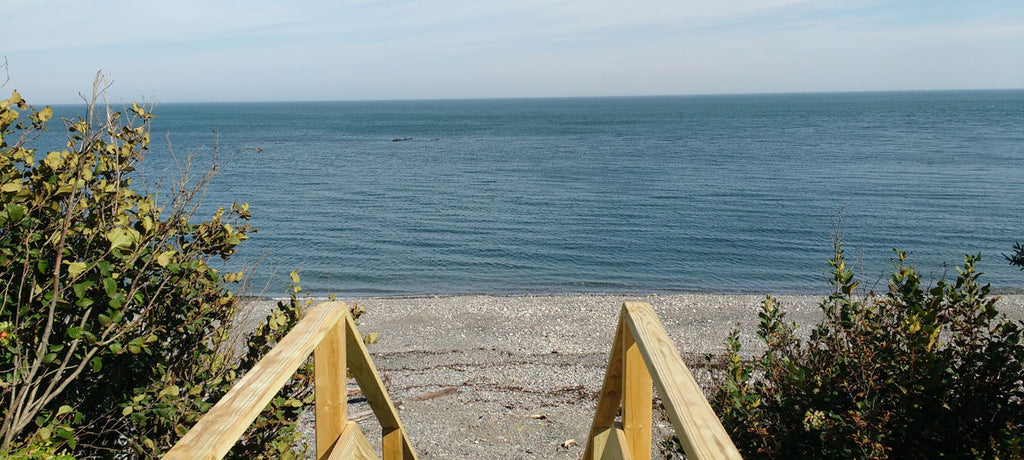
pixel 637 390
pixel 392 443
pixel 330 385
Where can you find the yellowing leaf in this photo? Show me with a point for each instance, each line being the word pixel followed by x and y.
pixel 53 160
pixel 170 390
pixel 11 187
pixel 122 237
pixel 165 258
pixel 45 114
pixel 76 268
pixel 295 277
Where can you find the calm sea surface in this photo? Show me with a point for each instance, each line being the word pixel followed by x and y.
pixel 710 193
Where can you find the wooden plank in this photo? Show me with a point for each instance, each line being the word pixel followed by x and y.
pixel 610 444
pixel 637 400
pixel 219 430
pixel 696 424
pixel 391 443
pixel 611 391
pixel 362 368
pixel 351 444
pixel 330 386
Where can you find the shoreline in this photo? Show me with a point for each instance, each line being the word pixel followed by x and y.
pixel 1003 292
pixel 518 376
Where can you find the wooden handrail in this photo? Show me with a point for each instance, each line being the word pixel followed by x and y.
pixel 640 338
pixel 642 357
pixel 328 331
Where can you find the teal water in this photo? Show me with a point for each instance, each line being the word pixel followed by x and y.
pixel 703 193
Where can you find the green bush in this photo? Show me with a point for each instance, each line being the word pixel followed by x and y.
pixel 913 373
pixel 115 328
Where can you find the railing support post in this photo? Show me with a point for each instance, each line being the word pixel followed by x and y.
pixel 330 386
pixel 637 391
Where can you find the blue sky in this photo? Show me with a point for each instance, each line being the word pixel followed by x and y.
pixel 185 51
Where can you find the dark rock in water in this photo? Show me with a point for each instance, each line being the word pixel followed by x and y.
pixel 400 139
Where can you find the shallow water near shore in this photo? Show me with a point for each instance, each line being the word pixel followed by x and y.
pixel 613 195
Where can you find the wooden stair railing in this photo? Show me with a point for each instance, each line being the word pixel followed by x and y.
pixel 642 350
pixel 642 357
pixel 329 333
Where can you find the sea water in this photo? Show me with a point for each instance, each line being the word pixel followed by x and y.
pixel 731 193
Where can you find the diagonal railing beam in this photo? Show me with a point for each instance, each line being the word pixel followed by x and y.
pixel 219 429
pixel 642 354
pixel 328 331
pixel 396 442
pixel 699 429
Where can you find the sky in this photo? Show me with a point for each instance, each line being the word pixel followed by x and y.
pixel 260 50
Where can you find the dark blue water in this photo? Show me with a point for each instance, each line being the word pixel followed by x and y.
pixel 710 193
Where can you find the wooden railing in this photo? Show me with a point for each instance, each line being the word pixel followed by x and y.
pixel 642 355
pixel 328 331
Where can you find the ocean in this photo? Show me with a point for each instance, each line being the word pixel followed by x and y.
pixel 732 193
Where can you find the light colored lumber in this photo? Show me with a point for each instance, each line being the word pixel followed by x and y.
pixel 699 429
pixel 219 430
pixel 391 443
pixel 611 392
pixel 610 444
pixel 362 368
pixel 330 386
pixel 636 398
pixel 351 445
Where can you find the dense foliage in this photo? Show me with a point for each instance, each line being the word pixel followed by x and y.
pixel 915 373
pixel 115 328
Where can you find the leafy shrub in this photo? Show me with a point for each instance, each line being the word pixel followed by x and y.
pixel 914 373
pixel 1017 258
pixel 115 328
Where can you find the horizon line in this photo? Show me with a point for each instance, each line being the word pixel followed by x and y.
pixel 524 98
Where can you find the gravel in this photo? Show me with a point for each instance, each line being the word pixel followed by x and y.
pixel 517 377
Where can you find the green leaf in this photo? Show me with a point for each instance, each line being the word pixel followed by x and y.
pixel 75 332
pixel 104 319
pixel 49 358
pixel 127 410
pixel 97 363
pixel 110 287
pixel 15 212
pixel 63 432
pixel 80 288
pixel 84 302
pixel 63 410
